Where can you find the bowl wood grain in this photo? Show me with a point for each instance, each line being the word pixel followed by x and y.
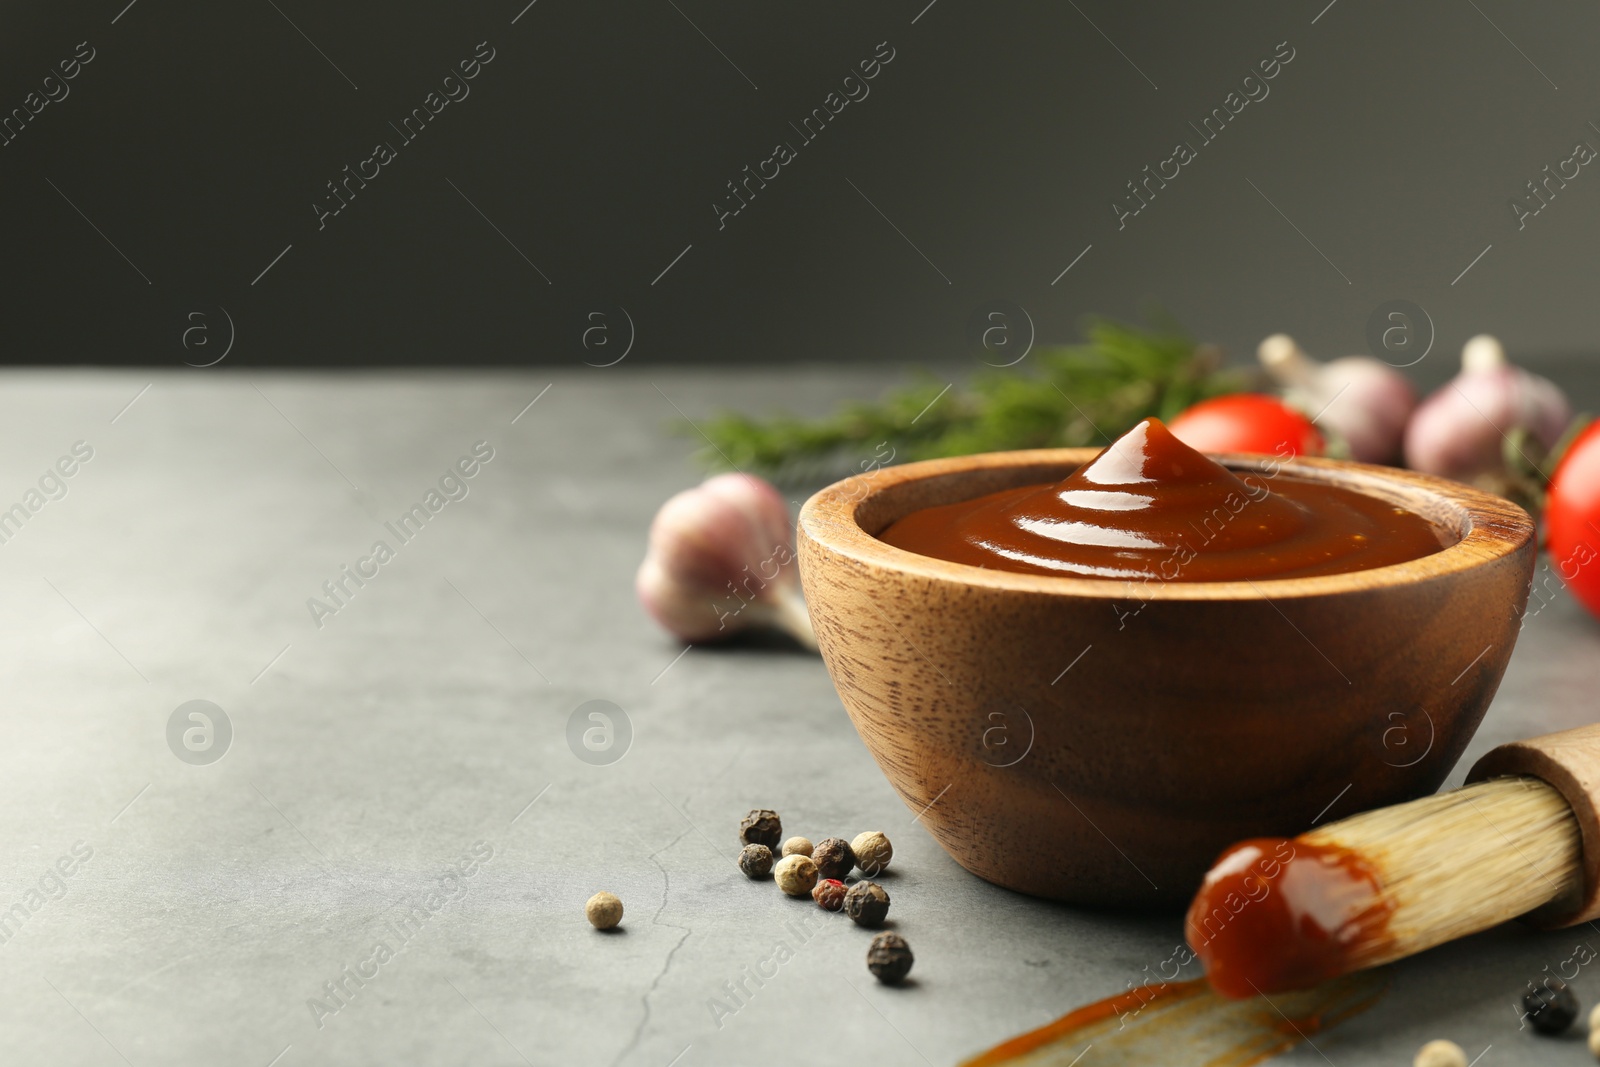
pixel 1101 741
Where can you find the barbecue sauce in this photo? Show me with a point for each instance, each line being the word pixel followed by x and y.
pixel 1150 507
pixel 1276 914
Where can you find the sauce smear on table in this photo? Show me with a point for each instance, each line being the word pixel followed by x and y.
pixel 1186 1024
pixel 1149 506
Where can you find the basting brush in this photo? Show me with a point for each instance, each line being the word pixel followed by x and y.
pixel 1520 840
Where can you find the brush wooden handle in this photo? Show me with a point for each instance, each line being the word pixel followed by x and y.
pixel 1569 762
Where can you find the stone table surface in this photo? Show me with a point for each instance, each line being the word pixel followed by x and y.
pixel 415 742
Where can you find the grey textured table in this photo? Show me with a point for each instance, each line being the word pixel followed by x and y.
pixel 423 726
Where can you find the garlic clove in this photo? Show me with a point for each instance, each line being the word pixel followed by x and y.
pixel 1536 404
pixel 677 606
pixel 1460 431
pixel 721 559
pixel 1483 352
pixel 1285 361
pixel 1359 400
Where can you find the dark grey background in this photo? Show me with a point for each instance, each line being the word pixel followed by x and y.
pixel 599 138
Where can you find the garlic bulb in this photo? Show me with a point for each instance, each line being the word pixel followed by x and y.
pixel 1359 400
pixel 721 560
pixel 1461 430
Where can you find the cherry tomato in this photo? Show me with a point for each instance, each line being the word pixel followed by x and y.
pixel 1572 518
pixel 1247 422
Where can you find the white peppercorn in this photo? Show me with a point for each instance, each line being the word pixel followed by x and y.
pixel 873 852
pixel 1440 1054
pixel 603 910
pixel 797 846
pixel 796 875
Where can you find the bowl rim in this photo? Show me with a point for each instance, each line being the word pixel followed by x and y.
pixel 1496 528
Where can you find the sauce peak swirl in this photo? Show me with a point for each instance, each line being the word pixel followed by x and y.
pixel 1149 506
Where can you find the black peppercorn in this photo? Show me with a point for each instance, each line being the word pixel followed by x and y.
pixel 866 903
pixel 834 857
pixel 889 959
pixel 761 827
pixel 756 861
pixel 1550 1007
pixel 829 894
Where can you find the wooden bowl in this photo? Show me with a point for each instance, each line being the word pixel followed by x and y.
pixel 1100 741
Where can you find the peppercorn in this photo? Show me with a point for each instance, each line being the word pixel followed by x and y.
pixel 829 894
pixel 1594 1043
pixel 797 846
pixel 833 857
pixel 866 903
pixel 796 875
pixel 1550 1007
pixel 603 910
pixel 761 827
pixel 873 852
pixel 755 861
pixel 1440 1054
pixel 889 958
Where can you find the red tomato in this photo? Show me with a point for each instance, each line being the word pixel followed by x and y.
pixel 1247 422
pixel 1572 518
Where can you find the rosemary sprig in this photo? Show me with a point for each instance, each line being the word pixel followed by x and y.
pixel 1075 395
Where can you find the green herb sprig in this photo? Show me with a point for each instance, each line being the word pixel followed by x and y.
pixel 1073 395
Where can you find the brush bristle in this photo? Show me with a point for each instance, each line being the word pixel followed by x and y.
pixel 1459 862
